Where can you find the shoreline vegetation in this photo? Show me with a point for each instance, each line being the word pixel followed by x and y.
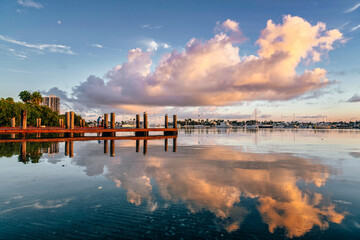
pixel 31 102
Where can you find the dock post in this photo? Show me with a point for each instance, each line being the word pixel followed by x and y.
pixel 23 122
pixel 145 124
pixel 60 122
pixel 174 125
pixel 23 156
pixel 166 145
pixel 38 122
pixel 166 124
pixel 12 122
pixel 106 120
pixel 112 148
pixel 138 125
pixel 112 123
pixel 67 117
pixel 71 143
pixel 105 146
pixel 72 120
pixel 67 148
pixel 145 147
pixel 137 145
pixel 174 144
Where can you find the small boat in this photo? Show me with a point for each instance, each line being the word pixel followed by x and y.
pixel 266 126
pixel 224 125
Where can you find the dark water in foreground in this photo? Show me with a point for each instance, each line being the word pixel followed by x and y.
pixel 217 185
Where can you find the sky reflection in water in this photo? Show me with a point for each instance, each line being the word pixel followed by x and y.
pixel 295 182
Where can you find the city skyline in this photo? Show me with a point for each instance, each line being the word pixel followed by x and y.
pixel 213 59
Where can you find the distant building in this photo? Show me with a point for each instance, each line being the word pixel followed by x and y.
pixel 52 102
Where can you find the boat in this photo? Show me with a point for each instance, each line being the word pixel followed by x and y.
pixel 266 126
pixel 224 125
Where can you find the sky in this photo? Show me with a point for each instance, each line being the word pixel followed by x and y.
pixel 197 59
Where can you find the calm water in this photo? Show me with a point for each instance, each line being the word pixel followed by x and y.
pixel 217 185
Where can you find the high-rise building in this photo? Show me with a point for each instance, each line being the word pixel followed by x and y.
pixel 52 102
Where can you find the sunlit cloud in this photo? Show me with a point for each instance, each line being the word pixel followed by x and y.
pixel 213 73
pixel 152 45
pixel 30 3
pixel 52 48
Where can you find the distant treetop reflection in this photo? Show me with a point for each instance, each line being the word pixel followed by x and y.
pixel 217 179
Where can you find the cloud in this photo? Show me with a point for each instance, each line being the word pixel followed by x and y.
pixel 30 3
pixel 148 26
pixel 52 48
pixel 97 45
pixel 356 6
pixel 59 22
pixel 212 72
pixel 355 28
pixel 152 45
pixel 355 98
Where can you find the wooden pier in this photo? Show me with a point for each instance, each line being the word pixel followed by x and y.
pixel 105 130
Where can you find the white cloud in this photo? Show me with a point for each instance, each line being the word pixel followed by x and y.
pixel 97 45
pixel 356 6
pixel 355 28
pixel 53 48
pixel 148 26
pixel 59 22
pixel 152 45
pixel 30 3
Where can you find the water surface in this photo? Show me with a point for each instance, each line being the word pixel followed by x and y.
pixel 215 184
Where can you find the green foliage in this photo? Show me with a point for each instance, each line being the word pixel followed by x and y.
pixel 25 96
pixel 36 98
pixel 10 109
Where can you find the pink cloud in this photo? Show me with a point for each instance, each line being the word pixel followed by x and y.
pixel 213 73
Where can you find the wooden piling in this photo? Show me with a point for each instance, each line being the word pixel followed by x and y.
pixel 112 148
pixel 105 146
pixel 72 120
pixel 145 120
pixel 67 148
pixel 145 147
pixel 175 121
pixel 67 117
pixel 13 122
pixel 166 121
pixel 23 122
pixel 106 120
pixel 137 121
pixel 174 144
pixel 71 154
pixel 166 145
pixel 112 120
pixel 137 145
pixel 23 156
pixel 38 122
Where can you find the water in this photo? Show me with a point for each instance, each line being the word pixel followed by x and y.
pixel 215 184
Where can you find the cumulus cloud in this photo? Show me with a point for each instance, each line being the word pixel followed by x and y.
pixel 213 73
pixel 355 98
pixel 152 45
pixel 52 48
pixel 30 3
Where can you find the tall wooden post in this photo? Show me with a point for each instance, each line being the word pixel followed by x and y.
pixel 166 145
pixel 112 148
pixel 60 122
pixel 71 154
pixel 145 147
pixel 106 121
pixel 112 120
pixel 175 121
pixel 174 144
pixel 23 122
pixel 67 116
pixel 23 151
pixel 166 121
pixel 105 146
pixel 137 121
pixel 67 148
pixel 137 145
pixel 12 122
pixel 38 122
pixel 145 125
pixel 72 120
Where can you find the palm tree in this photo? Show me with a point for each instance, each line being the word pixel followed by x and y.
pixel 25 96
pixel 36 98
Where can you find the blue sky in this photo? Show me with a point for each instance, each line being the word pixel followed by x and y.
pixel 46 44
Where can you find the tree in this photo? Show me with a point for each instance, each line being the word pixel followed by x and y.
pixel 25 96
pixel 36 98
